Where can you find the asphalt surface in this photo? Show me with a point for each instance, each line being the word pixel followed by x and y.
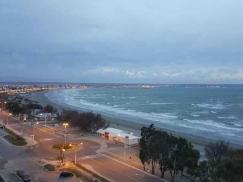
pixel 107 166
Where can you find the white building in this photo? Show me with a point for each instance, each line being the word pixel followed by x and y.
pixel 46 116
pixel 118 135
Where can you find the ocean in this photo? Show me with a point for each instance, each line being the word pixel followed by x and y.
pixel 207 111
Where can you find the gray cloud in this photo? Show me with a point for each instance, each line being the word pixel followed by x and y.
pixel 122 41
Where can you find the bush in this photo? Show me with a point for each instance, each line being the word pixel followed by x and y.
pixel 86 121
pixel 14 138
pixel 49 109
pixel 49 167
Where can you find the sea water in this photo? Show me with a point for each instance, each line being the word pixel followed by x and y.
pixel 211 112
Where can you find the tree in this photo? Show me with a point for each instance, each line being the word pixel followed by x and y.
pixel 14 108
pixel 203 173
pixel 62 148
pixel 86 121
pixel 171 153
pixel 192 163
pixel 181 155
pixel 154 147
pixel 215 153
pixel 146 150
pixel 49 109
pixel 143 154
pixel 165 147
pixel 231 167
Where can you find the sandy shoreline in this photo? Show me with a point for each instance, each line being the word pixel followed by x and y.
pixel 130 126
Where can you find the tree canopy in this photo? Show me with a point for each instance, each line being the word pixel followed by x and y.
pixel 177 155
pixel 86 121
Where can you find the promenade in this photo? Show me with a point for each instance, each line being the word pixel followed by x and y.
pixel 94 154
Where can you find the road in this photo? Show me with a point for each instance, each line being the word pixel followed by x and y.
pixel 117 170
pixel 107 166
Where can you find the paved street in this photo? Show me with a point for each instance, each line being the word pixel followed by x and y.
pixel 117 171
pixel 89 154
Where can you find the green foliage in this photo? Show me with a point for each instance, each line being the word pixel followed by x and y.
pixel 87 121
pixel 14 138
pixel 14 107
pixel 176 155
pixel 49 167
pixel 62 146
pixel 231 166
pixel 224 164
pixel 215 153
pixel 49 109
pixel 19 105
pixel 173 154
pixel 32 106
pixel 202 171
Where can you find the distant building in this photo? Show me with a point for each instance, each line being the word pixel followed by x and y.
pixel 45 116
pixel 118 135
pixel 35 111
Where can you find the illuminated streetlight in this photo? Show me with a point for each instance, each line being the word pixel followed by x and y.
pixel 65 125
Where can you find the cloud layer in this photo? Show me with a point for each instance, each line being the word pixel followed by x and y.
pixel 159 41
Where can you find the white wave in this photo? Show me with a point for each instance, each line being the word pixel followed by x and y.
pixel 132 97
pixel 167 120
pixel 211 106
pixel 160 103
pixel 238 124
pixel 195 115
pixel 227 117
pixel 213 124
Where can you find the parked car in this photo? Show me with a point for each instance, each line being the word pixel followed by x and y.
pixel 66 174
pixel 23 176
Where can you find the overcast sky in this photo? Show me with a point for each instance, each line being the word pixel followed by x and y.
pixel 158 41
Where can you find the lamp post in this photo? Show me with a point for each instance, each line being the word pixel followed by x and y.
pixel 4 105
pixel 65 134
pixel 45 120
pixel 9 115
pixel 75 154
pixel 62 156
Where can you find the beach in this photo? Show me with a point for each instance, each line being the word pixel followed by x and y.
pixel 126 125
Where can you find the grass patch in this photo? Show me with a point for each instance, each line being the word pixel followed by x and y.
pixel 49 167
pixel 14 138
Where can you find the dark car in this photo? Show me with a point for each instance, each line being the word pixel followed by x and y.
pixel 23 176
pixel 65 174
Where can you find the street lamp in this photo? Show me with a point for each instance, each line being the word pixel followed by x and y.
pixel 63 150
pixel 75 154
pixel 45 120
pixel 9 115
pixel 65 135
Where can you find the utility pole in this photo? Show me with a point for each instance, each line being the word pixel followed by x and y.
pixel 65 134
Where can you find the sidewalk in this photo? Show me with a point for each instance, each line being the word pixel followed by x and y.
pixel 29 140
